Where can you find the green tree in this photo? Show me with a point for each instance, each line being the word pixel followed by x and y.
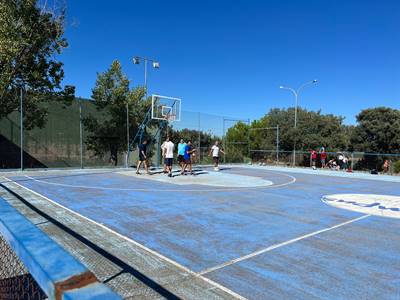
pixel 193 135
pixel 30 38
pixel 111 95
pixel 238 133
pixel 378 130
pixel 236 142
pixel 313 131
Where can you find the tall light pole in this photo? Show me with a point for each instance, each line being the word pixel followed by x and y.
pixel 156 65
pixel 296 95
pixel 80 132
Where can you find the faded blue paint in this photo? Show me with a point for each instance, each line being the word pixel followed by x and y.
pixel 202 229
pixel 46 260
pixel 360 261
pixel 327 172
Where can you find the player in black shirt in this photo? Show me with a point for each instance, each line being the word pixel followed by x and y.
pixel 142 157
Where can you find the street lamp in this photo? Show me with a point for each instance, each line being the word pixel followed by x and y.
pixel 296 95
pixel 156 65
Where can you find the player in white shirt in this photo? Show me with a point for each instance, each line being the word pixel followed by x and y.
pixel 214 151
pixel 169 155
pixel 163 155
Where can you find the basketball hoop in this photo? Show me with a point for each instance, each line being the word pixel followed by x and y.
pixel 165 108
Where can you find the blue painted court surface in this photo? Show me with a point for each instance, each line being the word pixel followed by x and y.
pixel 262 233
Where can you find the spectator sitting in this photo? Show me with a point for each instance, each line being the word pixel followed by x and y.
pixel 332 164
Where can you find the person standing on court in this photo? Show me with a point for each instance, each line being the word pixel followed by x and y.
pixel 169 155
pixel 322 156
pixel 142 157
pixel 313 157
pixel 215 150
pixel 163 156
pixel 188 158
pixel 181 153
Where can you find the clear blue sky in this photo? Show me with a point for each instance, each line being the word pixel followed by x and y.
pixel 230 57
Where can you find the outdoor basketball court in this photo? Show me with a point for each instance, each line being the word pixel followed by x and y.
pixel 243 232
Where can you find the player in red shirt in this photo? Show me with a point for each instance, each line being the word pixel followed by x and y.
pixel 323 156
pixel 313 158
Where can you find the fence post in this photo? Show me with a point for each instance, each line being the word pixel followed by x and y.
pixel 199 154
pixel 277 144
pixel 127 134
pixel 158 156
pixel 80 132
pixel 22 129
pixel 248 145
pixel 352 160
pixel 224 138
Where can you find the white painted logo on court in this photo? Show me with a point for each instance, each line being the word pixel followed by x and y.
pixel 379 205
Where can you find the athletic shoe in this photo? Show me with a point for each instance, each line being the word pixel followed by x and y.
pixel 170 175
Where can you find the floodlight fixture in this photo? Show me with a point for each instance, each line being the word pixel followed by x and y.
pixel 136 60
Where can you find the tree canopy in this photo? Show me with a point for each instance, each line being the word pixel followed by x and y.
pixel 107 129
pixel 378 130
pixel 313 131
pixel 30 39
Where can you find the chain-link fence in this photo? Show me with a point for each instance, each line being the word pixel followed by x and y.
pixel 83 135
pixel 343 160
pixel 15 281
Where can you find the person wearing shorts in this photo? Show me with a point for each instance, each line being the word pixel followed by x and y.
pixel 340 160
pixel 142 157
pixel 163 156
pixel 215 150
pixel 181 153
pixel 314 156
pixel 188 159
pixel 169 155
pixel 323 158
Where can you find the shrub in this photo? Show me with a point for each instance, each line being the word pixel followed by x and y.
pixel 396 167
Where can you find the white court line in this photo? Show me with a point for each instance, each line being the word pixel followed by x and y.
pixel 293 180
pixel 234 261
pixel 176 264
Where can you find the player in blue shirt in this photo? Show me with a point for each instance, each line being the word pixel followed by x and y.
pixel 187 157
pixel 181 153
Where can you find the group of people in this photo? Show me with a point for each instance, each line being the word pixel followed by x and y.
pixel 314 156
pixel 185 154
pixel 341 162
